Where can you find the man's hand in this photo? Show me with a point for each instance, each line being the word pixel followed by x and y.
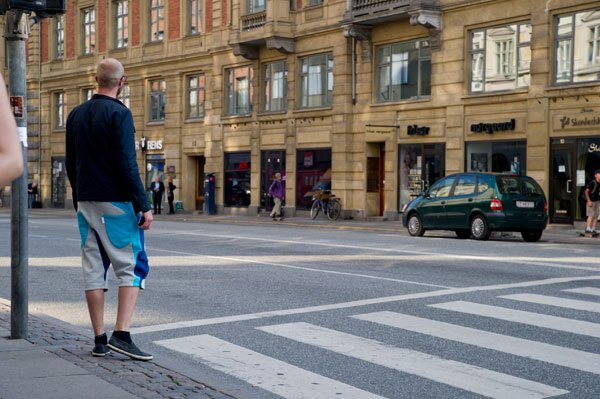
pixel 147 218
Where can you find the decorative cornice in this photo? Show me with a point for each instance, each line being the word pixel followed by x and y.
pixel 362 33
pixel 282 44
pixel 247 51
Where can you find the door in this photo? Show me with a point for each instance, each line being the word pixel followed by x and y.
pixel 272 161
pixel 376 179
pixel 460 204
pixel 200 175
pixel 59 180
pixel 433 206
pixel 562 188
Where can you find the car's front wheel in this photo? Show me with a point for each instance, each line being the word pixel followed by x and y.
pixel 415 226
pixel 532 235
pixel 479 228
pixel 463 234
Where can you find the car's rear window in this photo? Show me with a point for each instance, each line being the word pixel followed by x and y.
pixel 518 185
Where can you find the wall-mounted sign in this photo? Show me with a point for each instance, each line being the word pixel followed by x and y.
pixel 567 122
pixel 145 144
pixel 490 128
pixel 16 104
pixel 594 148
pixel 415 130
pixel 382 130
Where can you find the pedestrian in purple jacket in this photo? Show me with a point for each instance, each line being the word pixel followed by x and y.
pixel 277 192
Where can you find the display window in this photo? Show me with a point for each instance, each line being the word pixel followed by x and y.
pixel 313 171
pixel 496 157
pixel 237 179
pixel 420 165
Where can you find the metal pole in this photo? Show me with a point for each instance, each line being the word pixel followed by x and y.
pixel 17 29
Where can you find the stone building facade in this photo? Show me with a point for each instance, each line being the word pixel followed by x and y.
pixel 374 99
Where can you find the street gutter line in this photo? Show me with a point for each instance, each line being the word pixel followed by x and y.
pixel 353 304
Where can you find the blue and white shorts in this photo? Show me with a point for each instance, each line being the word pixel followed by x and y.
pixel 110 235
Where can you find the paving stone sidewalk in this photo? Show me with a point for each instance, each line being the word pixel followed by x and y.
pixel 147 380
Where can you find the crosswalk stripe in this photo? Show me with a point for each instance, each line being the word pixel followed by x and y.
pixel 555 301
pixel 273 375
pixel 459 375
pixel 585 290
pixel 518 316
pixel 554 354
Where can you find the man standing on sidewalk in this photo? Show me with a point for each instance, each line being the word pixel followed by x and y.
pixel 112 209
pixel 592 197
pixel 277 192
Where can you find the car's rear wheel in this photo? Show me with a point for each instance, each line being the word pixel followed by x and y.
pixel 532 235
pixel 479 228
pixel 463 234
pixel 415 226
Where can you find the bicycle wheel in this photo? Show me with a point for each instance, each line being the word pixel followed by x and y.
pixel 315 208
pixel 334 210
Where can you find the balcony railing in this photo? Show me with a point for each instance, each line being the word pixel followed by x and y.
pixel 254 21
pixel 366 5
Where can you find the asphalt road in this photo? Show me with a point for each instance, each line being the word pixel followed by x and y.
pixel 269 311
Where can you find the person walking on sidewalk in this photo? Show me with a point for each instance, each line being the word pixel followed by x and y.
pixel 158 188
pixel 171 194
pixel 277 192
pixel 112 209
pixel 592 196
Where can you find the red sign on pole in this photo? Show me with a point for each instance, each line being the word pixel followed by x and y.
pixel 16 104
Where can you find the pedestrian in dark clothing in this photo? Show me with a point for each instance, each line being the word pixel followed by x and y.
pixel 158 188
pixel 277 192
pixel 112 208
pixel 171 195
pixel 32 194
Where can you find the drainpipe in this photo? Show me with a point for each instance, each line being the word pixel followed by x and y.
pixel 353 62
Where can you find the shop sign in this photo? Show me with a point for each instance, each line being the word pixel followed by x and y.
pixel 491 128
pixel 594 148
pixel 567 122
pixel 382 130
pixel 145 144
pixel 415 130
pixel 16 104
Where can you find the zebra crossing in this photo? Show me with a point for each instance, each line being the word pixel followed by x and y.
pixel 290 381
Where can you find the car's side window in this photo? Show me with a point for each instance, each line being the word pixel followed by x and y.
pixel 466 185
pixel 483 185
pixel 441 188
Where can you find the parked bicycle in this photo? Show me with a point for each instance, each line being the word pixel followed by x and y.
pixel 329 204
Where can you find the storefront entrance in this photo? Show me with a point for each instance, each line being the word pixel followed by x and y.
pixel 573 162
pixel 59 182
pixel 272 161
pixel 420 166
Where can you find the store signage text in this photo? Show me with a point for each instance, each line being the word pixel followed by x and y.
pixel 379 130
pixel 145 144
pixel 568 122
pixel 414 130
pixel 490 128
pixel 594 148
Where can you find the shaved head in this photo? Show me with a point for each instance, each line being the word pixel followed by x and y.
pixel 109 72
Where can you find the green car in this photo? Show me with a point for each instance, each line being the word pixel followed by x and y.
pixel 475 204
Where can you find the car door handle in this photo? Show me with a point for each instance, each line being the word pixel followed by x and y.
pixel 443 202
pixel 470 200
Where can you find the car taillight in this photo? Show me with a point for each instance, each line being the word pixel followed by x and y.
pixel 546 207
pixel 496 205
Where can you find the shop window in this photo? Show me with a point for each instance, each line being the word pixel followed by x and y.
pixel 313 172
pixel 500 58
pixel 237 179
pixel 121 37
pixel 238 90
pixel 577 47
pixel 316 80
pixel 497 157
pixel 403 71
pixel 275 86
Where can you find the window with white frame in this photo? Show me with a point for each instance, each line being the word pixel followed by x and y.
pixel 577 47
pixel 275 86
pixel 60 110
pixel 157 20
pixel 124 95
pixel 316 80
pixel 195 96
pixel 194 17
pixel 158 100
pixel 59 36
pixel 238 90
pixel 403 71
pixel 121 23
pixel 88 17
pixel 254 6
pixel 500 57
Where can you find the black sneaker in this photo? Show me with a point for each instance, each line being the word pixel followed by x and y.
pixel 128 349
pixel 100 350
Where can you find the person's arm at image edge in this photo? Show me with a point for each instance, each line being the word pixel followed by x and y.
pixel 11 158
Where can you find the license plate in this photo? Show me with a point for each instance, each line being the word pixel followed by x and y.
pixel 525 204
